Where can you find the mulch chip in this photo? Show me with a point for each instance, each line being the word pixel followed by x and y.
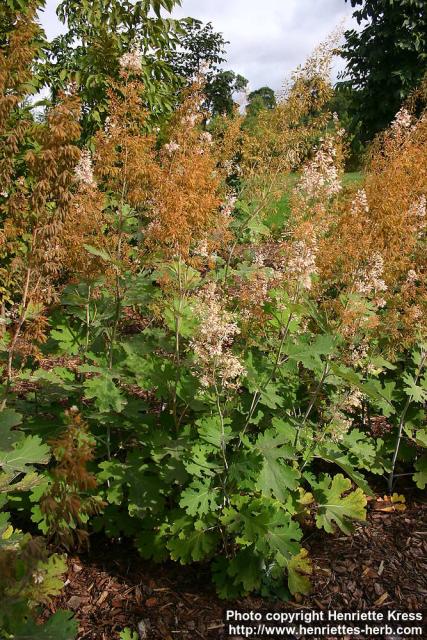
pixel 382 565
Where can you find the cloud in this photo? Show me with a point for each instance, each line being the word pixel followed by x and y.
pixel 268 38
pixel 49 20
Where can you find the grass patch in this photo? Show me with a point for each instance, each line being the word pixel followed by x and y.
pixel 353 178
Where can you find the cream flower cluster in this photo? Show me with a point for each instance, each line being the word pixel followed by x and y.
pixel 370 281
pixel 212 344
pixel 320 177
pixel 418 211
pixel 131 60
pixel 302 263
pixel 229 205
pixel 402 121
pixel 171 147
pixel 84 170
pixel 360 203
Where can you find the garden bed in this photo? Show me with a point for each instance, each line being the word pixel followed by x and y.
pixel 383 565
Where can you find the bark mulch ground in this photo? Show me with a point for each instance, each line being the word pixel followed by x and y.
pixel 382 565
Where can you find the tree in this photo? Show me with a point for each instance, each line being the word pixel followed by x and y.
pixel 99 33
pixel 258 100
pixel 343 103
pixel 201 49
pixel 263 98
pixel 221 89
pixel 386 59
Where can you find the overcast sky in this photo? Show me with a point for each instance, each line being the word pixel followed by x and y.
pixel 268 38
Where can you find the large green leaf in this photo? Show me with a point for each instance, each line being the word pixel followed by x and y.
pixel 199 498
pixel 200 463
pixel 417 392
pixel 247 518
pixel 283 535
pixel 336 508
pixel 276 477
pixel 239 575
pixel 191 541
pixel 363 451
pixel 105 393
pixel 309 355
pixel 9 419
pixel 244 568
pixel 151 542
pixel 215 432
pixel 25 453
pixel 420 477
pixel 113 473
pixel 146 489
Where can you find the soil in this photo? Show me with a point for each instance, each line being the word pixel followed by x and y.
pixel 383 565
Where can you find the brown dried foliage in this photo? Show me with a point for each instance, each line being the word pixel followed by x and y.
pixel 188 194
pixel 176 191
pixel 16 56
pixel 32 248
pixel 66 505
pixel 44 216
pixel 390 223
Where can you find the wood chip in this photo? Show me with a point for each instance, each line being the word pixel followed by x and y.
pixel 381 600
pixel 102 597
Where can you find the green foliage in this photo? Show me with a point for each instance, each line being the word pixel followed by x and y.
pixel 235 477
pixel 199 499
pixel 336 508
pixel 220 478
pixel 263 98
pixel 128 634
pixel 60 626
pixel 28 575
pixel 106 394
pixel 344 103
pixel 276 476
pixel 97 35
pixel 25 453
pixel 386 59
pixel 202 50
pixel 221 90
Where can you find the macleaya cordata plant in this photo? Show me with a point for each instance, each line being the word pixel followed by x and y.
pixel 30 576
pixel 34 210
pixel 231 314
pixel 266 358
pixel 66 504
pixel 223 467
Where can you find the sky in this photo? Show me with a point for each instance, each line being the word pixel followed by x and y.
pixel 268 38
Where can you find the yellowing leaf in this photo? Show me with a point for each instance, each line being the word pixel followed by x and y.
pixel 335 508
pixel 299 568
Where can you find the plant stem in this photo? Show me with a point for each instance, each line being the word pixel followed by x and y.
pixel 22 317
pixel 257 395
pixel 177 358
pixel 402 425
pixel 312 402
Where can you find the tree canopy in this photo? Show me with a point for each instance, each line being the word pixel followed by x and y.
pixel 386 58
pixel 98 33
pixel 202 49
